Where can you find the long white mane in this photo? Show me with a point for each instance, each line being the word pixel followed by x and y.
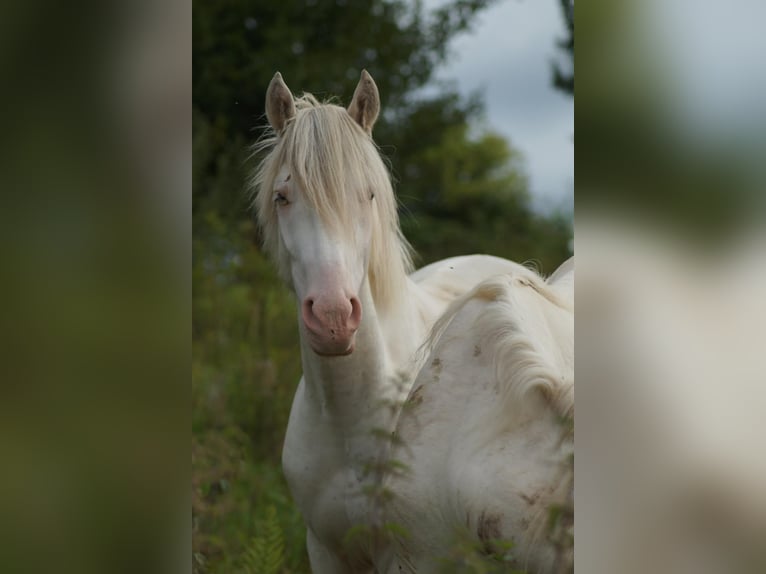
pixel 339 169
pixel 526 351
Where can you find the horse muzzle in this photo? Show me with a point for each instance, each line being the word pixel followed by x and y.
pixel 331 324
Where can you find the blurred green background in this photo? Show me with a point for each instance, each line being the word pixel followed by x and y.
pixel 462 190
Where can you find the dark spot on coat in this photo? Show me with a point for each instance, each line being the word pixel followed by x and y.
pixel 436 365
pixel 416 397
pixel 476 351
pixel 530 499
pixel 488 529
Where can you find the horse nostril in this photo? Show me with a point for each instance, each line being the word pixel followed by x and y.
pixel 355 317
pixel 308 313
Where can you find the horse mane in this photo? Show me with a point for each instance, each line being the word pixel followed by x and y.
pixel 338 167
pixel 521 363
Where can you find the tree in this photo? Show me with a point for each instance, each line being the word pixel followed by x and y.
pixel 562 79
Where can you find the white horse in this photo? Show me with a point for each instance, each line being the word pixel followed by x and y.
pixel 326 205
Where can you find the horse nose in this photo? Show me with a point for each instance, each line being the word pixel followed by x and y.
pixel 335 318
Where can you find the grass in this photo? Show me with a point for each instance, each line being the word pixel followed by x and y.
pixel 245 369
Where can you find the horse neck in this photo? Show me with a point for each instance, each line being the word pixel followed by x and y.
pixel 350 393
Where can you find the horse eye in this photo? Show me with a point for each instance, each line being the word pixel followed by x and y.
pixel 281 199
pixel 372 196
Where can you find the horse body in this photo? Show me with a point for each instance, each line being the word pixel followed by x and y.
pixel 328 211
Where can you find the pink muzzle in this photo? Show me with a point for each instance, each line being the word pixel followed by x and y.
pixel 331 323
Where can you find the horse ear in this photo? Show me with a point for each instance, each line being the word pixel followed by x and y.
pixel 280 106
pixel 365 105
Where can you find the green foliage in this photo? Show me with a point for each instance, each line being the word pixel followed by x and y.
pixel 233 498
pixel 471 557
pixel 266 553
pixel 472 198
pixel 245 367
pixel 319 46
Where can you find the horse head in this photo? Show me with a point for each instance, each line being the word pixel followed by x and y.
pixel 326 204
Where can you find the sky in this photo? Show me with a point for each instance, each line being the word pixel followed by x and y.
pixel 714 61
pixel 507 55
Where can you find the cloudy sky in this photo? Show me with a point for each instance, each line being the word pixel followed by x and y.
pixel 508 56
